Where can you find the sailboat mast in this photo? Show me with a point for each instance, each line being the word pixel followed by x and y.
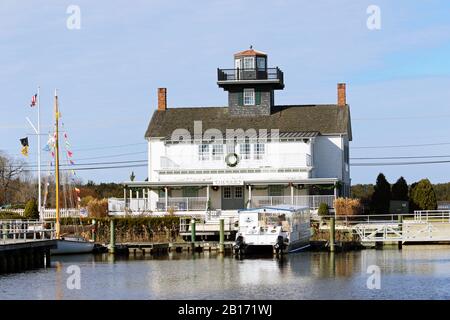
pixel 57 225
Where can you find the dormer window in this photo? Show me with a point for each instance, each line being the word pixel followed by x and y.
pixel 249 97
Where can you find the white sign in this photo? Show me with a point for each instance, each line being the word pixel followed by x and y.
pixel 230 182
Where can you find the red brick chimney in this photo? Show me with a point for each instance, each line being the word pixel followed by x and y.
pixel 162 99
pixel 341 99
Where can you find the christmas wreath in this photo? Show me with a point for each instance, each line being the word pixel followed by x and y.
pixel 232 159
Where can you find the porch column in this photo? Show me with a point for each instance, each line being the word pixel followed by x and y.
pixel 131 194
pixel 137 198
pixel 249 196
pixel 207 197
pixel 148 199
pixel 125 196
pixel 335 191
pixel 292 194
pixel 166 195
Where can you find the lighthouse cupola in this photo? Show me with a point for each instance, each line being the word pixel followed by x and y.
pixel 250 84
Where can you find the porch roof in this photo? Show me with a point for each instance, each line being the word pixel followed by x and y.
pixel 143 184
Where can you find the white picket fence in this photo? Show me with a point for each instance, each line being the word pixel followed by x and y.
pixel 50 213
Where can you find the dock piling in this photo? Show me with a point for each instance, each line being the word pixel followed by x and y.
pixel 193 235
pixel 332 233
pixel 221 236
pixel 112 236
pixel 400 227
pixel 93 230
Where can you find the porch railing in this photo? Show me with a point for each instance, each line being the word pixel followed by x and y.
pixel 145 204
pixel 184 203
pixel 312 201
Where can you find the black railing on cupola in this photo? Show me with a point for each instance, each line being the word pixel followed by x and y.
pixel 250 74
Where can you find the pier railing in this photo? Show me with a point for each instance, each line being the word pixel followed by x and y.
pixel 49 213
pixel 25 230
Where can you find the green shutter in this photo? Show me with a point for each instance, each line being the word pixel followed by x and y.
pixel 258 97
pixel 241 98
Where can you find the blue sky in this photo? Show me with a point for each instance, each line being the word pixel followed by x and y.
pixel 107 73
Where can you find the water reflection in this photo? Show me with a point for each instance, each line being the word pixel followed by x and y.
pixel 420 272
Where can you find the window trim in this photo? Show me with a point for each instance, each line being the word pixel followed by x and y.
pixel 219 155
pixel 247 59
pixel 252 97
pixel 203 154
pixel 257 154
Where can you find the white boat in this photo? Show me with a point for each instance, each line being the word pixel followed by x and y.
pixel 72 245
pixel 281 228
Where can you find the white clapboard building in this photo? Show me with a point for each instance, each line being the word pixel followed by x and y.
pixel 247 154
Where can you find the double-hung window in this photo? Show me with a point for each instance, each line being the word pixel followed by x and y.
pixel 259 151
pixel 203 152
pixel 244 149
pixel 217 151
pixel 261 63
pixel 249 63
pixel 275 190
pixel 249 97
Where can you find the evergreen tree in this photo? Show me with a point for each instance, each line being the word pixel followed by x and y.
pixel 31 210
pixel 400 190
pixel 381 195
pixel 422 196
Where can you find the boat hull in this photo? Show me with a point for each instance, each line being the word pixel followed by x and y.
pixel 72 247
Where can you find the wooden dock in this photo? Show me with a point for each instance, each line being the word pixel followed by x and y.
pixel 164 248
pixel 19 255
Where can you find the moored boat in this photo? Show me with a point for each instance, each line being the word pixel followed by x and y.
pixel 72 245
pixel 280 229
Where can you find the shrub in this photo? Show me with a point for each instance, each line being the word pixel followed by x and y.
pixel 323 209
pixel 347 206
pixel 98 208
pixel 10 215
pixel 31 210
pixel 85 201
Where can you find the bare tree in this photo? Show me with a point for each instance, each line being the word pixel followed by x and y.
pixel 10 172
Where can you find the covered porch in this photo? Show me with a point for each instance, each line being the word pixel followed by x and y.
pixel 200 197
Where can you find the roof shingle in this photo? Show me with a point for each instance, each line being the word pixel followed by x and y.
pixel 324 119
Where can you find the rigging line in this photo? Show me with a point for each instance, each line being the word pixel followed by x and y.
pixel 84 164
pixel 109 147
pixel 97 168
pixel 101 157
pixel 372 164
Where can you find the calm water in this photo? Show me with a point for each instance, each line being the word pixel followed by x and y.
pixel 412 273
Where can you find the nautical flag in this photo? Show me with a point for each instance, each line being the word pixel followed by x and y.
pixel 24 142
pixel 70 154
pixel 71 162
pixel 33 100
pixel 25 151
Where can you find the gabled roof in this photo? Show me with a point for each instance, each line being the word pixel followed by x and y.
pixel 321 119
